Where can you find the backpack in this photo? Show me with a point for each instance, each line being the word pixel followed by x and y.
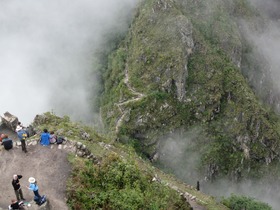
pixel 60 139
pixel 40 201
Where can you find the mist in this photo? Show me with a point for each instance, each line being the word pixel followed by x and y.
pixel 180 154
pixel 47 50
pixel 267 40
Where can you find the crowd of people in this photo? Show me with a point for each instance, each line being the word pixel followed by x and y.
pixel 46 138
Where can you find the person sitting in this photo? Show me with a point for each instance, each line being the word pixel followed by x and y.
pixel 16 205
pixel 53 137
pixel 7 143
pixel 45 138
pixel 2 135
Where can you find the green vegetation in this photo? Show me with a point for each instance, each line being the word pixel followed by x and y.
pixel 235 202
pixel 118 184
pixel 185 85
pixel 181 66
pixel 64 127
pixel 122 180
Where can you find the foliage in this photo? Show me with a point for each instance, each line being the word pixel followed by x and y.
pixel 63 126
pixel 235 202
pixel 118 184
pixel 242 133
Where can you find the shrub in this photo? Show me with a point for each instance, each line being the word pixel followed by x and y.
pixel 117 184
pixel 235 202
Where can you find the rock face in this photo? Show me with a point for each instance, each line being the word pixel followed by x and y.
pixel 9 120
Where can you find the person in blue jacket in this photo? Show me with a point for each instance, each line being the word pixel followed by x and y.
pixel 22 135
pixel 45 138
pixel 34 187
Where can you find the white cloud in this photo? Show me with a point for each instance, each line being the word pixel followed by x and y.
pixel 46 50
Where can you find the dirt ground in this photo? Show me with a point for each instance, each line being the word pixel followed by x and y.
pixel 49 166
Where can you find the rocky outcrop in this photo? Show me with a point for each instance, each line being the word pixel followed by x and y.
pixel 9 120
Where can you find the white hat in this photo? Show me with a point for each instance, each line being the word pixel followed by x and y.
pixel 18 128
pixel 31 180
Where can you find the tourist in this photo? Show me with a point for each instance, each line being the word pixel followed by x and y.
pixel 19 127
pixel 53 137
pixel 22 135
pixel 7 142
pixel 17 187
pixel 45 138
pixel 34 187
pixel 16 205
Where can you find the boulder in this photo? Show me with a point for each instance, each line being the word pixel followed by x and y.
pixel 9 120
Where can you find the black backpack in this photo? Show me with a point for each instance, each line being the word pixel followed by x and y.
pixel 60 139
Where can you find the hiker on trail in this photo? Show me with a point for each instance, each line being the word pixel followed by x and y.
pixel 53 137
pixel 16 205
pixel 17 187
pixel 7 142
pixel 45 138
pixel 22 135
pixel 34 187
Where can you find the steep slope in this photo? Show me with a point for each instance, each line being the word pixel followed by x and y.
pixel 114 176
pixel 180 67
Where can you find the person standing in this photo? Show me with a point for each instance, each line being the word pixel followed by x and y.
pixel 34 187
pixel 22 135
pixel 19 127
pixel 17 187
pixel 45 138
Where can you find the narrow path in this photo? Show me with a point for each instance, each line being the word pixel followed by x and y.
pixel 138 96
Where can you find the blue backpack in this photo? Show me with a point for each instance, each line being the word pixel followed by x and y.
pixel 40 201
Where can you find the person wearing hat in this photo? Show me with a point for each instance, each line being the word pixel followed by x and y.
pixel 22 135
pixel 17 188
pixel 19 127
pixel 34 187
